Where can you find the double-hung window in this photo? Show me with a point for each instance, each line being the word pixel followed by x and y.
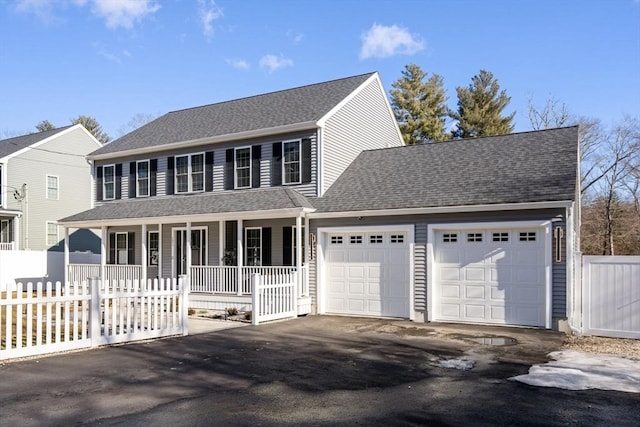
pixel 52 187
pixel 122 249
pixel 5 231
pixel 189 173
pixel 291 162
pixel 243 167
pixel 52 233
pixel 142 178
pixel 109 182
pixel 154 248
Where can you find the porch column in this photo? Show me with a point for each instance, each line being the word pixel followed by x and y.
pixel 188 249
pixel 103 250
pixel 239 256
pixel 16 232
pixel 144 254
pixel 307 254
pixel 298 253
pixel 220 242
pixel 66 255
pixel 160 254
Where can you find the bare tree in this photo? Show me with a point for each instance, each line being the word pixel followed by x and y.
pixel 140 119
pixel 552 115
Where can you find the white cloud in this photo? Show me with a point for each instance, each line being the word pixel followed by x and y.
pixel 296 37
pixel 239 64
pixel 273 62
pixel 123 13
pixel 43 9
pixel 209 12
pixel 382 41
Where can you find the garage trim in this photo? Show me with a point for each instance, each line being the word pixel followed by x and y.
pixel 323 232
pixel 432 228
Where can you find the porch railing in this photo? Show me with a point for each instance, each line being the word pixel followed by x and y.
pixel 78 273
pixel 7 246
pixel 224 279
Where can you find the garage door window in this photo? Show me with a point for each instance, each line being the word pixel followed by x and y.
pixel 528 236
pixel 355 240
pixel 336 240
pixel 450 237
pixel 397 238
pixel 474 237
pixel 375 239
pixel 500 237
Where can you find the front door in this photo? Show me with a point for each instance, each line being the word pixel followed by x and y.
pixel 198 249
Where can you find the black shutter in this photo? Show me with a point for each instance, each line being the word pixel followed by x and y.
pixel 266 246
pixel 208 171
pixel 256 154
pixel 119 181
pixel 131 248
pixel 112 248
pixel 231 238
pixel 153 176
pixel 276 164
pixel 169 179
pixel 99 178
pixel 132 180
pixel 228 171
pixel 287 247
pixel 306 161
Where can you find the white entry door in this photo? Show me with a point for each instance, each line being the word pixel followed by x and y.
pixel 490 276
pixel 367 273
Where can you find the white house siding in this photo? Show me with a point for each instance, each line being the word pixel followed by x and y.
pixel 365 122
pixel 421 223
pixel 74 185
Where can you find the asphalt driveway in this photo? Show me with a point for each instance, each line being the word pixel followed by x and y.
pixel 318 370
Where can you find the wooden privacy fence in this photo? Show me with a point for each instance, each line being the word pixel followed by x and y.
pixel 274 297
pixel 611 296
pixel 47 319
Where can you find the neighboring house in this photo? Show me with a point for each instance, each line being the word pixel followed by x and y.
pixel 315 180
pixel 43 177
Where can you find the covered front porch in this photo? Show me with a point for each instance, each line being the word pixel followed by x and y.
pixel 219 253
pixel 9 230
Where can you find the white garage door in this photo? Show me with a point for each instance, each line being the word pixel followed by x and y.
pixel 367 273
pixel 490 276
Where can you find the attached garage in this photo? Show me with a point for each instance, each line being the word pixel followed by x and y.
pixel 367 271
pixel 496 274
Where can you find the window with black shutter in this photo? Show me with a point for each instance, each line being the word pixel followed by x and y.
pixel 276 164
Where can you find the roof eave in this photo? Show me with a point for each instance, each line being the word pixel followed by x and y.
pixel 445 209
pixel 209 140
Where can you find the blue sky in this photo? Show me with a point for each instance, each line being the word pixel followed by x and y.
pixel 118 59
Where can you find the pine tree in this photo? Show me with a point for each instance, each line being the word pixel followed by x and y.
pixel 480 108
pixel 45 125
pixel 93 127
pixel 420 106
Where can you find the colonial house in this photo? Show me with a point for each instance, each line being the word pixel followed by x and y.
pixel 43 177
pixel 316 181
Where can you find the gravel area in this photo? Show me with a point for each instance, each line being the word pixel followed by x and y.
pixel 602 345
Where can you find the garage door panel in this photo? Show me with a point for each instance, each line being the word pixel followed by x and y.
pixel 336 255
pixel 357 255
pixel 356 305
pixel 356 272
pixel 490 276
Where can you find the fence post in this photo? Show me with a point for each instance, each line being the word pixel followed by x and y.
pixel 94 313
pixel 185 303
pixel 255 299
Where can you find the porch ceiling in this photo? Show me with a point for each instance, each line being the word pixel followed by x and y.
pixel 247 204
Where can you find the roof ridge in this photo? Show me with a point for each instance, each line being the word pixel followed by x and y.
pixel 48 132
pixel 269 93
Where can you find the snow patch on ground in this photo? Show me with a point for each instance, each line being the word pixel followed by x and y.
pixel 462 364
pixel 575 370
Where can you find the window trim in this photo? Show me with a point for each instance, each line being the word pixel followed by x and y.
pixel 235 167
pixel 150 249
pixel 57 177
pixel 246 246
pixel 105 182
pixel 8 225
pixel 189 174
pixel 57 236
pixel 148 178
pixel 299 161
pixel 126 248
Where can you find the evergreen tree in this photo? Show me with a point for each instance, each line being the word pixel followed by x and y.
pixel 480 108
pixel 93 127
pixel 419 106
pixel 45 125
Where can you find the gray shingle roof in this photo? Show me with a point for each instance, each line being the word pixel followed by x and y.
pixel 195 204
pixel 286 107
pixel 522 167
pixel 11 145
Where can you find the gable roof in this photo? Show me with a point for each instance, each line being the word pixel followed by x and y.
pixel 195 204
pixel 305 104
pixel 12 145
pixel 536 166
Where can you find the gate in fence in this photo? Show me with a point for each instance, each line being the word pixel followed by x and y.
pixel 44 318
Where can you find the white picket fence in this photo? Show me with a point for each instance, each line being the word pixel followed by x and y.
pixel 47 318
pixel 273 297
pixel 611 296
